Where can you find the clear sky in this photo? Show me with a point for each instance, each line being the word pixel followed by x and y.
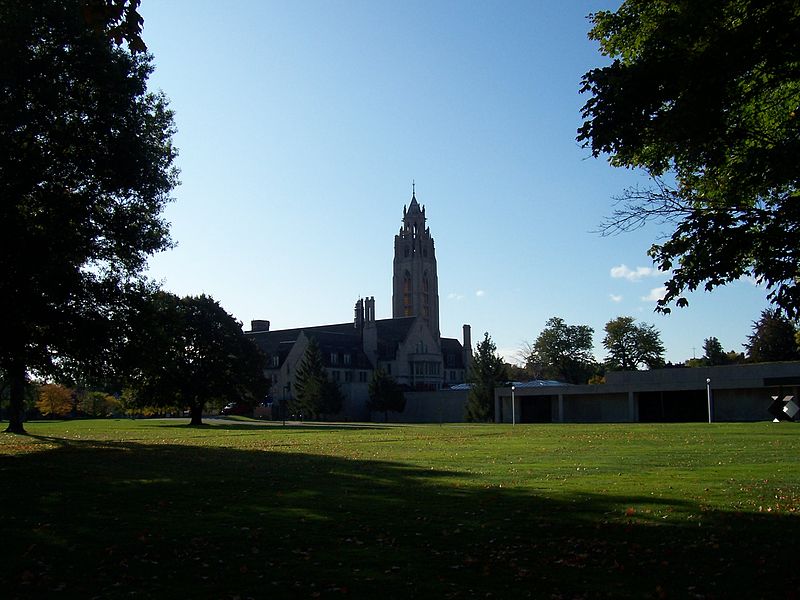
pixel 303 124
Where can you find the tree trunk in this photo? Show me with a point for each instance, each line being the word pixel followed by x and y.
pixel 196 411
pixel 16 376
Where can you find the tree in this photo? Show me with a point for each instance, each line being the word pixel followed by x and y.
pixel 773 338
pixel 97 404
pixel 315 394
pixel 486 371
pixel 385 394
pixel 630 345
pixel 55 400
pixel 564 351
pixel 86 167
pixel 192 352
pixel 704 96
pixel 713 353
pixel 119 20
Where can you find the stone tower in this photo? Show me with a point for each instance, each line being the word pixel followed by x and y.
pixel 415 285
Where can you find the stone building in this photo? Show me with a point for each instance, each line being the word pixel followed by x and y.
pixel 408 346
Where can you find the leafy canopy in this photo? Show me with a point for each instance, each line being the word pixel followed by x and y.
pixel 190 352
pixel 385 394
pixel 563 351
pixel 86 168
pixel 704 96
pixel 631 345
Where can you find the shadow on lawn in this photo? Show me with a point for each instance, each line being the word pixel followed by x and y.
pixel 294 426
pixel 105 519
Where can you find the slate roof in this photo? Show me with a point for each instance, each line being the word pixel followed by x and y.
pixel 345 338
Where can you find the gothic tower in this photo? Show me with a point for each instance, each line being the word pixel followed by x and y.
pixel 415 285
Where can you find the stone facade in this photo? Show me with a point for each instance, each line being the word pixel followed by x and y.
pixel 408 346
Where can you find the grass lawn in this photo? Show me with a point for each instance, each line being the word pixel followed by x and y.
pixel 155 509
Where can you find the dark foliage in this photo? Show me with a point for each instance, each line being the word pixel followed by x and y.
pixel 773 338
pixel 487 370
pixel 385 394
pixel 189 352
pixel 86 167
pixel 705 95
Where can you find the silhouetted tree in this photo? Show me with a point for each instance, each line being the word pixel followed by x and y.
pixel 86 167
pixel 704 94
pixel 773 338
pixel 486 371
pixel 191 352
pixel 315 395
pixel 385 394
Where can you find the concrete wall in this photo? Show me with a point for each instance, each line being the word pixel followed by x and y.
pixel 444 406
pixel 608 408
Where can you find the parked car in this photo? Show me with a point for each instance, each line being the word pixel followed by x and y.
pixel 237 408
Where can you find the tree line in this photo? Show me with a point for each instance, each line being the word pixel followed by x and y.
pixel 565 353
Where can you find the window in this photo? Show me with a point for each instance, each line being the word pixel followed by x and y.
pixel 348 376
pixel 336 375
pixel 334 358
pixel 362 376
pixel 389 368
pixel 276 361
pixel 348 359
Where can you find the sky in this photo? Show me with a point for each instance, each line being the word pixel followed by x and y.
pixel 302 125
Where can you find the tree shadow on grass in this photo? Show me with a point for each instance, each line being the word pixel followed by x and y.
pixel 294 426
pixel 115 519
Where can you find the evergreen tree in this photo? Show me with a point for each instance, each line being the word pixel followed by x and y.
pixel 773 338
pixel 315 395
pixel 487 370
pixel 385 394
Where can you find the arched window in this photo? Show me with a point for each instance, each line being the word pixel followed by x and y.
pixel 407 294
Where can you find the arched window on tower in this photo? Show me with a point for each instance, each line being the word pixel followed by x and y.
pixel 407 294
pixel 425 296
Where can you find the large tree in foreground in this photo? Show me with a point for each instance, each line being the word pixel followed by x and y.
pixel 705 97
pixel 86 167
pixel 631 345
pixel 486 371
pixel 189 352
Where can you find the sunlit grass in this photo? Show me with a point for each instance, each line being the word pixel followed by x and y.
pixel 237 508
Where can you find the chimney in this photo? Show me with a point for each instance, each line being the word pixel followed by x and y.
pixel 370 309
pixel 467 346
pixel 358 320
pixel 259 325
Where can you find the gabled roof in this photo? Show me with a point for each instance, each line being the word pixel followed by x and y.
pixel 452 347
pixel 391 332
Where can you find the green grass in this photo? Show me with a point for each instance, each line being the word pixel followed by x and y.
pixel 155 509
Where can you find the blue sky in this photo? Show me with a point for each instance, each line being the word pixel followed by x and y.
pixel 303 124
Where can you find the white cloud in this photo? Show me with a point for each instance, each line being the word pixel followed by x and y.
pixel 625 272
pixel 454 296
pixel 480 293
pixel 615 298
pixel 655 294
